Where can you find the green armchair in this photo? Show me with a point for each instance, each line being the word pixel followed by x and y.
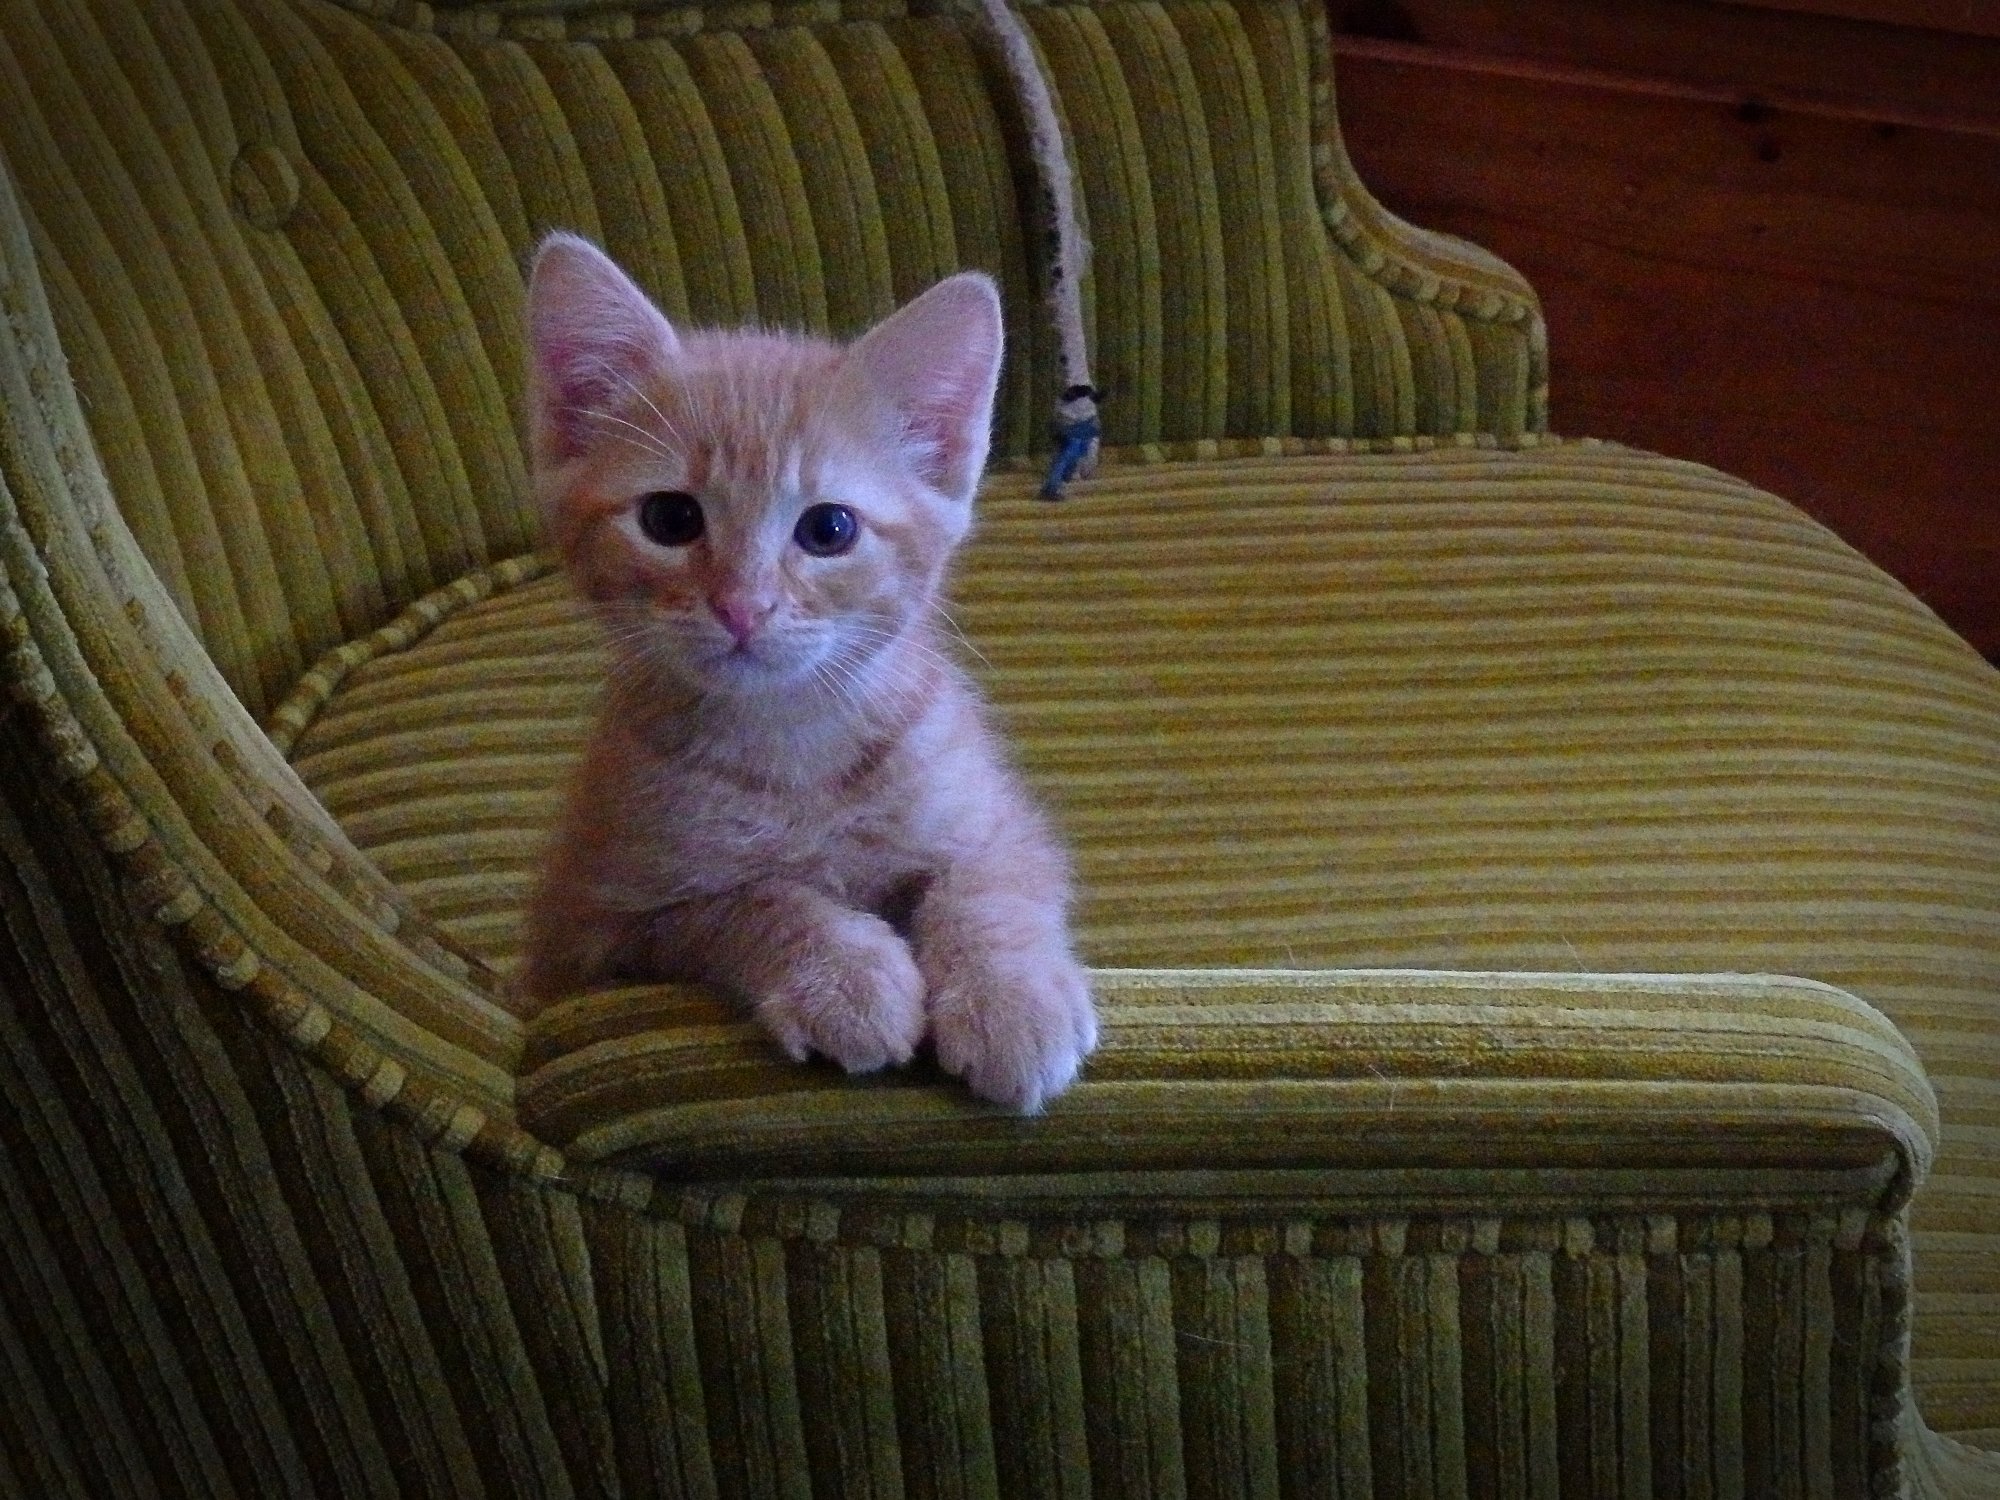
pixel 1546 897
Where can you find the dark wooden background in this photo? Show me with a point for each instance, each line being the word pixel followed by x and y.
pixel 1766 236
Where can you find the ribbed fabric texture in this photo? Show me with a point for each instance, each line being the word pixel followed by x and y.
pixel 1294 1067
pixel 271 1219
pixel 230 1277
pixel 1574 709
pixel 283 240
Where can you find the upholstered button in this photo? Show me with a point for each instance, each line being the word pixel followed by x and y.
pixel 265 185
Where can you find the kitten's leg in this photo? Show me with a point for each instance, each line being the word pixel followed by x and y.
pixel 819 976
pixel 1010 1005
pixel 571 946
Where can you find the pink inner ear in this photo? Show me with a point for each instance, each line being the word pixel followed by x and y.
pixel 937 361
pixel 594 336
pixel 578 380
pixel 939 420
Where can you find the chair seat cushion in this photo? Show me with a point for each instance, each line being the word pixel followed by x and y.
pixel 1569 708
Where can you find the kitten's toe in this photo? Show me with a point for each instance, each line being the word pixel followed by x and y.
pixel 1084 1019
pixel 860 1002
pixel 786 1030
pixel 1018 1032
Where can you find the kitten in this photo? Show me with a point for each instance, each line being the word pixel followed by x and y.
pixel 792 792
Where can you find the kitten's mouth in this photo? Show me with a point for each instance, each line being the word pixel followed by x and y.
pixel 738 658
pixel 744 663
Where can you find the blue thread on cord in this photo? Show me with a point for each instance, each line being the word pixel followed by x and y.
pixel 1075 437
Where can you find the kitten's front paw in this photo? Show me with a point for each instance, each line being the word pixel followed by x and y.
pixel 856 998
pixel 1015 1026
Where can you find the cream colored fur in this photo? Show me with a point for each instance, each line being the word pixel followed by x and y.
pixel 792 791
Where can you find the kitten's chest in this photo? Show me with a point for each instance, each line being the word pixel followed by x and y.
pixel 862 849
pixel 857 838
pixel 884 815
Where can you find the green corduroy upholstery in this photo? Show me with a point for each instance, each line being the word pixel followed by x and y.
pixel 1549 896
pixel 283 243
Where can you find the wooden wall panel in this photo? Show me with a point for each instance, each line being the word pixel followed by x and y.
pixel 1797 280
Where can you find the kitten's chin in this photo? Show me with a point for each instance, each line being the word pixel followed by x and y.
pixel 749 671
pixel 799 671
pixel 713 671
pixel 745 674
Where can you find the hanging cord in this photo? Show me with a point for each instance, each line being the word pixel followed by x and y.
pixel 1077 431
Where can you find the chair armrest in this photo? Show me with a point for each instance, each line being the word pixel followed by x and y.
pixel 186 799
pixel 1278 1071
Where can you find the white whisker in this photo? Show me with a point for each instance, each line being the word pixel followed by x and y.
pixel 952 623
pixel 633 386
pixel 652 443
pixel 921 649
pixel 891 675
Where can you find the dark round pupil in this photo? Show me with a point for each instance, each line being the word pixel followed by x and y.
pixel 825 530
pixel 670 517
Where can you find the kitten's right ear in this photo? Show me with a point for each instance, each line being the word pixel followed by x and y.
pixel 592 337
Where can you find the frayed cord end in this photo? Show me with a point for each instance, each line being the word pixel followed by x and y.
pixel 1078 436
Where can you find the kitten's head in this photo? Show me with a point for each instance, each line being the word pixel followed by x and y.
pixel 752 512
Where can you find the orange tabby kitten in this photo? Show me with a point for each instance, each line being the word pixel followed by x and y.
pixel 791 792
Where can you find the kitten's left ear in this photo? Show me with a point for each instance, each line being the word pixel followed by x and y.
pixel 937 362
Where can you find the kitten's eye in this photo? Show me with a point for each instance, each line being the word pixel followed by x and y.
pixel 670 517
pixel 826 530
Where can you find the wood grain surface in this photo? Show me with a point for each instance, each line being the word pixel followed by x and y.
pixel 1765 239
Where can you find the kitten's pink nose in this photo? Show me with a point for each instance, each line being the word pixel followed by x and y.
pixel 740 614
